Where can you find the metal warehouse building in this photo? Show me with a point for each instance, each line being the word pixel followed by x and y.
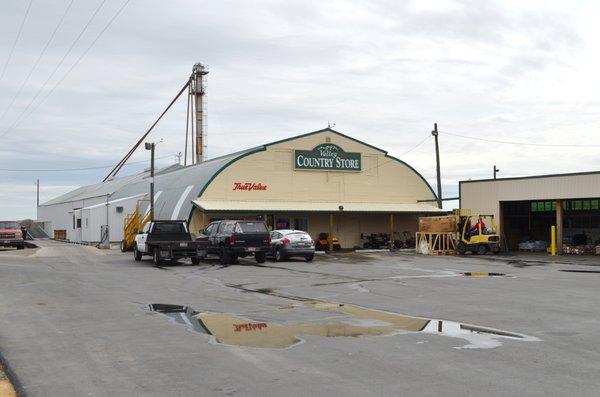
pixel 314 182
pixel 526 207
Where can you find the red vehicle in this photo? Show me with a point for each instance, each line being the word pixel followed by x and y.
pixel 11 235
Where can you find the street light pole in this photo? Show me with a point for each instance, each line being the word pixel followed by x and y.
pixel 496 170
pixel 151 146
pixel 437 161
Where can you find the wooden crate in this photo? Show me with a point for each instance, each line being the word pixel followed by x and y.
pixel 437 243
pixel 60 234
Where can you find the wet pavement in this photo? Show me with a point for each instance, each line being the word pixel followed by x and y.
pixel 78 321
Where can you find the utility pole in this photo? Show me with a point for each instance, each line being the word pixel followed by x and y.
pixel 38 192
pixel 496 170
pixel 197 90
pixel 437 160
pixel 150 146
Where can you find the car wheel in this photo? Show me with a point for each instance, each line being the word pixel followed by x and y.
pixel 195 260
pixel 260 257
pixel 309 258
pixel 224 256
pixel 137 255
pixel 123 246
pixel 156 256
pixel 279 256
pixel 481 249
pixel 20 247
pixel 461 248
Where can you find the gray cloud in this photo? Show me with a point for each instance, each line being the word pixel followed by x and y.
pixel 383 71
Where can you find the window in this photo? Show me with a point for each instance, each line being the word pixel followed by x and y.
pixel 9 225
pixel 210 229
pixel 78 223
pixel 276 235
pixel 548 206
pixel 577 205
pixel 168 228
pixel 250 227
pixel 301 224
pixel 73 222
pixel 594 204
pixel 533 206
pixel 586 205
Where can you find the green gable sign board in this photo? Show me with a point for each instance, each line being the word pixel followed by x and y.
pixel 328 157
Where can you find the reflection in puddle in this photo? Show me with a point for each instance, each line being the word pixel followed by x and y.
pixel 181 315
pixel 346 320
pixel 483 274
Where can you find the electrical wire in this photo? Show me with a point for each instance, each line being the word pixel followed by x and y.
pixel 516 143
pixel 57 67
pixel 39 58
pixel 108 24
pixel 12 50
pixel 77 169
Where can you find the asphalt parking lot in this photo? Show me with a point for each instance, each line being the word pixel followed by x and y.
pixel 76 321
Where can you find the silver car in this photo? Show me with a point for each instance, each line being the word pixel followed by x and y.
pixel 288 243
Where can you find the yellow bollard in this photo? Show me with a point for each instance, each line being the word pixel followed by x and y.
pixel 553 240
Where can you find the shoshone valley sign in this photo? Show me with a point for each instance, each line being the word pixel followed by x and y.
pixel 327 156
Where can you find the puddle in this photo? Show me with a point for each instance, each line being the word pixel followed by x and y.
pixel 181 315
pixel 345 321
pixel 483 274
pixel 578 271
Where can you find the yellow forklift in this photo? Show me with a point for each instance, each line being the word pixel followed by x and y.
pixel 477 233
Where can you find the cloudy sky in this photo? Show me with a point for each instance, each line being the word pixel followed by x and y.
pixel 83 80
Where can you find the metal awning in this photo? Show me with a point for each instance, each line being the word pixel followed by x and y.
pixel 313 206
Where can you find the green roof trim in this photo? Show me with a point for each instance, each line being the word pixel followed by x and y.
pixel 264 147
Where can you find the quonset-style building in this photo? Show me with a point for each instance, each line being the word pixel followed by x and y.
pixel 311 182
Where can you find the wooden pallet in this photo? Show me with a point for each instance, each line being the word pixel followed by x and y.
pixel 437 243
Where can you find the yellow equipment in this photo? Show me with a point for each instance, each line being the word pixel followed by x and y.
pixel 132 224
pixel 477 233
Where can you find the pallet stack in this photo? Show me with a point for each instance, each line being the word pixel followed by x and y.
pixel 436 235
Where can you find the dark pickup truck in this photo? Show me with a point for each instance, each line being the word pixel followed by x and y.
pixel 166 240
pixel 236 239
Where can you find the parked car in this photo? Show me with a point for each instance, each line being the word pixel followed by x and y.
pixel 166 240
pixel 289 243
pixel 11 235
pixel 231 239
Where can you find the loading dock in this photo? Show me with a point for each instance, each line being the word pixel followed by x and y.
pixel 527 207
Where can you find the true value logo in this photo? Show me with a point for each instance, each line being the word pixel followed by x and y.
pixel 327 156
pixel 248 186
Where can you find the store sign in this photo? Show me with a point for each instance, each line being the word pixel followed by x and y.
pixel 248 186
pixel 327 156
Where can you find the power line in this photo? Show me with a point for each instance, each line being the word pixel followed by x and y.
pixel 12 50
pixel 57 67
pixel 108 24
pixel 517 143
pixel 120 164
pixel 77 169
pixel 39 58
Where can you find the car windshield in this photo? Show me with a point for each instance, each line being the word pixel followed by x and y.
pixel 169 228
pixel 9 225
pixel 251 227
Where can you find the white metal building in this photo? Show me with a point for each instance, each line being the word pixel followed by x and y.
pixel 526 207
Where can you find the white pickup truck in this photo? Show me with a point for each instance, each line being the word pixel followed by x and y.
pixel 166 240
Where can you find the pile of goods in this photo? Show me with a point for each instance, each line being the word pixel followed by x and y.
pixel 581 249
pixel 533 246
